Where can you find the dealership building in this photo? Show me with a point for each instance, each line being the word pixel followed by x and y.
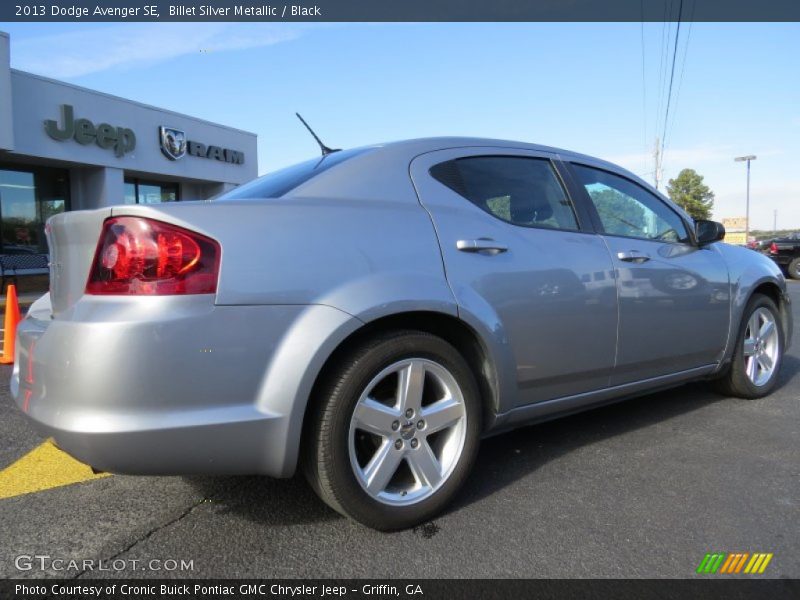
pixel 64 147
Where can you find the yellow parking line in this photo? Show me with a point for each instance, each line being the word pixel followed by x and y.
pixel 43 468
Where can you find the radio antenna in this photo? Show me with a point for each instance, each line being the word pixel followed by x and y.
pixel 323 147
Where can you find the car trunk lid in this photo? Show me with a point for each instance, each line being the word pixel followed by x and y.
pixel 72 238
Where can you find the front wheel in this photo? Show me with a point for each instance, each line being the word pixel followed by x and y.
pixel 394 431
pixel 759 351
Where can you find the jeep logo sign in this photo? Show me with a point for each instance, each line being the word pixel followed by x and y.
pixel 121 139
pixel 175 146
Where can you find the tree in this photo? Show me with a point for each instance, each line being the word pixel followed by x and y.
pixel 619 214
pixel 689 192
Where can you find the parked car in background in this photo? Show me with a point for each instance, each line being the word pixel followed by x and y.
pixel 759 245
pixel 785 251
pixel 370 315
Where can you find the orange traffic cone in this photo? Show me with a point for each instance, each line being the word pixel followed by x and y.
pixel 10 325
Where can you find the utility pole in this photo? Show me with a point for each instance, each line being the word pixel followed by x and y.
pixel 657 159
pixel 775 221
pixel 747 159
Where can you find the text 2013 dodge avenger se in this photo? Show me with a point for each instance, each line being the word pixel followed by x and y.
pixel 371 314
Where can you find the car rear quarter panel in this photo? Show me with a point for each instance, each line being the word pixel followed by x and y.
pixel 364 259
pixel 353 255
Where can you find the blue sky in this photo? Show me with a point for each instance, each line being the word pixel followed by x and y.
pixel 577 86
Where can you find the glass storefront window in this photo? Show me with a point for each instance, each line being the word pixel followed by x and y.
pixel 149 192
pixel 130 192
pixel 27 199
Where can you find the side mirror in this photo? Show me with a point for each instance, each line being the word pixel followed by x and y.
pixel 708 232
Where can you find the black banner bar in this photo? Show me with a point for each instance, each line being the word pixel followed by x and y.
pixel 710 587
pixel 400 10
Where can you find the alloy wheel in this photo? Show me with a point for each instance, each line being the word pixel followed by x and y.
pixel 407 431
pixel 761 346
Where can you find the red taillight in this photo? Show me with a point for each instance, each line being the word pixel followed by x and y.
pixel 773 248
pixel 143 257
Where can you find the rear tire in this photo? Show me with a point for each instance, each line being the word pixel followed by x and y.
pixel 758 355
pixel 394 430
pixel 794 269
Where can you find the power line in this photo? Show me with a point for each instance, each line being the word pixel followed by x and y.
pixel 666 34
pixel 683 65
pixel 662 65
pixel 644 79
pixel 672 74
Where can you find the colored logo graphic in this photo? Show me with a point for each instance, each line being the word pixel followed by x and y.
pixel 734 562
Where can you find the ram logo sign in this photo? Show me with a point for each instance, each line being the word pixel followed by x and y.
pixel 175 145
pixel 173 142
pixel 719 563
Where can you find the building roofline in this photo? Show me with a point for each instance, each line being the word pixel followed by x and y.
pixel 127 100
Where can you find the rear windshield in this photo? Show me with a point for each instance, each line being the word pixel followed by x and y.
pixel 278 183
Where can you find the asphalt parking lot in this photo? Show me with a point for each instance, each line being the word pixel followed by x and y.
pixel 644 488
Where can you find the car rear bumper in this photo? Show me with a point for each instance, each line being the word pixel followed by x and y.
pixel 167 385
pixel 245 447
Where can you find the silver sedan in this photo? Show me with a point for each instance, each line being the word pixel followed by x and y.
pixel 370 315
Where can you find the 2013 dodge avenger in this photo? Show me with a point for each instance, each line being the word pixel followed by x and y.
pixel 370 315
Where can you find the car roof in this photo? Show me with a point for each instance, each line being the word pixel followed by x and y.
pixel 411 148
pixel 431 144
pixel 377 163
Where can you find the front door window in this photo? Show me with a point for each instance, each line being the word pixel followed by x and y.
pixel 627 210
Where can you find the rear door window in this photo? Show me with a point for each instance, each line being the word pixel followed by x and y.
pixel 516 189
